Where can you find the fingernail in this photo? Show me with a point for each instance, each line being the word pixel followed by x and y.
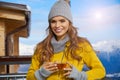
pixel 55 64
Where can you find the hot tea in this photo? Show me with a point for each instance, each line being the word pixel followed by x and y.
pixel 61 66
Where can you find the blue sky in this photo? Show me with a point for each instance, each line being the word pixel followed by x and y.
pixel 97 20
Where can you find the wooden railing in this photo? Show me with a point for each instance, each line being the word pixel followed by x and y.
pixel 6 60
pixel 11 60
pixel 13 76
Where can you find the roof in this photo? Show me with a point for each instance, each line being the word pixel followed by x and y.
pixel 18 8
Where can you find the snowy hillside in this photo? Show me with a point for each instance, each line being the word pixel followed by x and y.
pixel 107 46
pixel 109 54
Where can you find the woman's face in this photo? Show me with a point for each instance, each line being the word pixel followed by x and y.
pixel 59 26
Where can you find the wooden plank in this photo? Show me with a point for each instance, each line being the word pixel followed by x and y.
pixel 14 15
pixel 16 45
pixel 12 25
pixel 22 33
pixel 13 76
pixel 2 69
pixel 2 35
pixel 7 60
pixel 2 51
pixel 2 44
pixel 2 38
pixel 2 26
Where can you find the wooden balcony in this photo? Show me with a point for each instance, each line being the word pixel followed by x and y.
pixel 8 60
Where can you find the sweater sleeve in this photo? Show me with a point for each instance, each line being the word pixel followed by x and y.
pixel 97 70
pixel 77 75
pixel 42 74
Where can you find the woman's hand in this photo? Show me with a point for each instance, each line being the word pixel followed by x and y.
pixel 67 70
pixel 50 66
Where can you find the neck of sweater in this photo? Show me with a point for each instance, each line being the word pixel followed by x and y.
pixel 59 45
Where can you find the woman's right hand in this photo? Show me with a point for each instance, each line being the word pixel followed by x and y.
pixel 50 66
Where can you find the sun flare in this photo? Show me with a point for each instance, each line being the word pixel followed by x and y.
pixel 98 15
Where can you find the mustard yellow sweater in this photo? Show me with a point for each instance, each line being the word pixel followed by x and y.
pixel 89 58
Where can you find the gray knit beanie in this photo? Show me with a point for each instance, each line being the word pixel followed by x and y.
pixel 61 8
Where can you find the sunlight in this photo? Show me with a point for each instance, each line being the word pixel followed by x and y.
pixel 98 15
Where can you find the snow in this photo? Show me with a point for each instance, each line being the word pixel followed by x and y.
pixel 26 49
pixel 107 46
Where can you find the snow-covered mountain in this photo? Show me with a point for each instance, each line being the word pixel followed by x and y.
pixel 111 60
pixel 109 54
pixel 107 46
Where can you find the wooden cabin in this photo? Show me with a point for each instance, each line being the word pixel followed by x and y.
pixel 14 23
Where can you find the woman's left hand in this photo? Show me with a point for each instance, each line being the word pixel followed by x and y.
pixel 67 71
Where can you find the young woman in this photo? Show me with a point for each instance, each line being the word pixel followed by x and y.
pixel 63 45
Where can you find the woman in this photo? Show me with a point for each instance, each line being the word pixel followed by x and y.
pixel 62 45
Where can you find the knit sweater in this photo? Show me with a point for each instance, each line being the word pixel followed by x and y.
pixel 58 46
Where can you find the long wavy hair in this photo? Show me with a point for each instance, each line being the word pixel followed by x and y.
pixel 45 48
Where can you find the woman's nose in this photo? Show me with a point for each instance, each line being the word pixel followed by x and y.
pixel 57 24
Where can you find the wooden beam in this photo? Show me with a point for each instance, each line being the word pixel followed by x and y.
pixel 2 38
pixel 7 60
pixel 14 15
pixel 2 44
pixel 22 33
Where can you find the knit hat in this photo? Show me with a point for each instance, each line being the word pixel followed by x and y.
pixel 61 8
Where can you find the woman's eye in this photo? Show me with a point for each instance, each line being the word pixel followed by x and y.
pixel 53 21
pixel 62 20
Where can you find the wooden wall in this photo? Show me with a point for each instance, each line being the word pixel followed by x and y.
pixel 2 44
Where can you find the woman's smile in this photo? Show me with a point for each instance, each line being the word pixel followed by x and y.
pixel 58 30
